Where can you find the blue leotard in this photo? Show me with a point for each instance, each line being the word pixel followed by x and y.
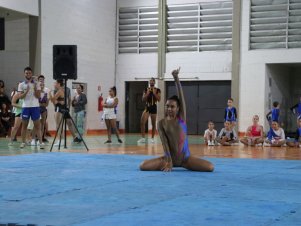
pixel 183 140
pixel 230 114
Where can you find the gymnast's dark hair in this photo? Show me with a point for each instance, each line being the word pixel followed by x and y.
pixel 175 98
pixel 61 82
pixel 114 90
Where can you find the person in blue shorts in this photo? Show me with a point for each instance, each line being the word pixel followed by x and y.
pixel 173 133
pixel 30 92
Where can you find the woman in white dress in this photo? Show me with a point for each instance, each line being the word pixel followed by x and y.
pixel 109 114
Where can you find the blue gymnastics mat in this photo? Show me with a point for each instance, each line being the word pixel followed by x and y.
pixel 92 189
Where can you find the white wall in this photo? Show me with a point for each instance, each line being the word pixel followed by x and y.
pixel 15 57
pixel 30 7
pixel 253 73
pixel 211 65
pixel 91 26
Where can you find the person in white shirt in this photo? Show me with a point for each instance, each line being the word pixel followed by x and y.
pixel 109 114
pixel 210 134
pixel 30 90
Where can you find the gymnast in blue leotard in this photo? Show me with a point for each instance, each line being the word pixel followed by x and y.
pixel 173 133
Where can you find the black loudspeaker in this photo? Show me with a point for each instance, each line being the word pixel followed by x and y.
pixel 2 34
pixel 65 62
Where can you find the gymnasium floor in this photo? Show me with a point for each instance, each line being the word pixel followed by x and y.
pixel 250 186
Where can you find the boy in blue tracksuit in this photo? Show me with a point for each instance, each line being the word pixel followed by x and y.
pixel 274 113
pixel 230 113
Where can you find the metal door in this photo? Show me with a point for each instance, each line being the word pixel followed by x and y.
pixel 212 102
pixel 134 106
pixel 204 101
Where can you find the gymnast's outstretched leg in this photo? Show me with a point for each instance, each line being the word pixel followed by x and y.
pixel 197 164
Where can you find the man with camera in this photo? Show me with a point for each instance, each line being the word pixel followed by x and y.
pixel 151 96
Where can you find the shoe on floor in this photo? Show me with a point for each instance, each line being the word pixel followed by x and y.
pixel 141 140
pixel 152 140
pixel 77 140
pixel 57 144
pixel 45 140
pixel 22 145
pixel 108 142
pixel 33 143
pixel 11 143
pixel 120 141
pixel 42 146
pixel 210 143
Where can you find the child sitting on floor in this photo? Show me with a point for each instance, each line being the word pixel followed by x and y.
pixel 254 134
pixel 227 135
pixel 210 134
pixel 297 141
pixel 276 136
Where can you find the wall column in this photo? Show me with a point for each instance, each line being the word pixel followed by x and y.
pixel 235 80
pixel 161 55
pixel 35 53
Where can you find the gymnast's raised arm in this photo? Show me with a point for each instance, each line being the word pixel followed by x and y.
pixel 182 110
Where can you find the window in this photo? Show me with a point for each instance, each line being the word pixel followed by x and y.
pixel 275 24
pixel 138 30
pixel 191 27
pixel 199 27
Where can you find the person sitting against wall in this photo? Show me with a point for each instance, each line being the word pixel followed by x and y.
pixel 254 134
pixel 210 134
pixel 276 136
pixel 227 135
pixel 3 97
pixel 6 119
pixel 296 142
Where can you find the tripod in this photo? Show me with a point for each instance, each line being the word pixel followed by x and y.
pixel 63 123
